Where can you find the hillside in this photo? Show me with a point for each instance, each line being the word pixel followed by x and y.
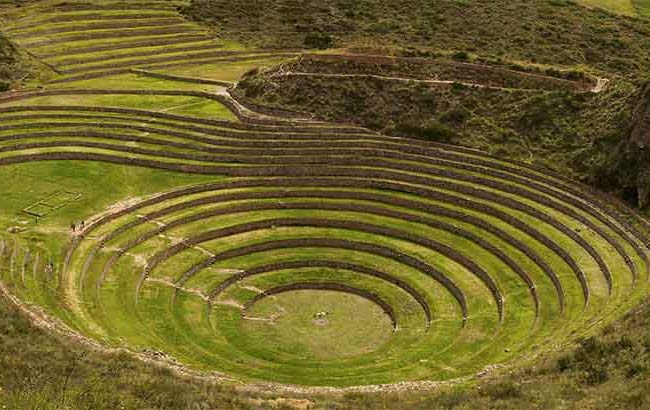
pixel 576 132
pixel 555 32
pixel 586 135
pixel 42 372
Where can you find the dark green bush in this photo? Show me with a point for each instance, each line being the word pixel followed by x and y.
pixel 430 130
pixel 318 40
pixel 455 117
pixel 501 391
pixel 460 56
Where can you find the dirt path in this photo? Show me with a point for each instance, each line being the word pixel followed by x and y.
pixel 384 78
pixel 600 85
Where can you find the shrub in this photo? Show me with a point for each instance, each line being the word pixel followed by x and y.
pixel 596 374
pixel 382 27
pixel 430 130
pixel 318 40
pixel 593 359
pixel 501 391
pixel 460 56
pixel 455 117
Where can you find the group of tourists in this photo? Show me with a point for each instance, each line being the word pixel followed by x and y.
pixel 74 227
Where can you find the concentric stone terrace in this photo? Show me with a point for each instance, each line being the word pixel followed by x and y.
pixel 431 261
pixel 303 252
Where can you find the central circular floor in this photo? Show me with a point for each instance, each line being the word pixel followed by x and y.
pixel 317 324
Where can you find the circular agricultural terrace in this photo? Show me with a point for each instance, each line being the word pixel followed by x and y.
pixel 327 255
pixel 316 253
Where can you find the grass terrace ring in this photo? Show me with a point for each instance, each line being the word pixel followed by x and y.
pixel 470 281
pixel 310 253
pixel 471 260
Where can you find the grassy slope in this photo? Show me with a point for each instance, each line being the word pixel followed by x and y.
pixel 8 60
pixel 626 7
pixel 642 7
pixel 41 371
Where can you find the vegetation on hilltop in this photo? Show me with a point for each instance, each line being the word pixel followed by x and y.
pixel 541 31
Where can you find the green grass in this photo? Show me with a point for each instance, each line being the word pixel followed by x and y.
pixel 67 60
pixel 639 8
pixel 97 304
pixel 290 322
pixel 617 6
pixel 183 105
pixel 118 324
pixel 36 366
pixel 28 27
pixel 642 7
pixel 226 71
pixel 38 181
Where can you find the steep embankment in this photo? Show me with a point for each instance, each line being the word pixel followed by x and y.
pixel 8 62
